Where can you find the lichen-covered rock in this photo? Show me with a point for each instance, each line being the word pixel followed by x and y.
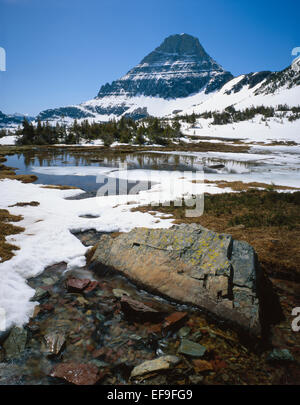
pixel 189 264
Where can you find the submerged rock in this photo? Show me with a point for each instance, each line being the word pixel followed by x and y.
pixel 191 348
pixel 77 285
pixel 40 293
pixel 55 342
pixel 118 292
pixel 156 365
pixel 189 264
pixel 136 310
pixel 10 374
pixel 280 355
pixel 15 344
pixel 202 365
pixel 175 321
pixel 76 373
pixel 183 332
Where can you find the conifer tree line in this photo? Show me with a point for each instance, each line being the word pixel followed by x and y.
pixel 150 130
pixel 230 114
pixel 126 130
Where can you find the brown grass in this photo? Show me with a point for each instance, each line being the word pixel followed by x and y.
pixel 241 186
pixel 58 187
pixel 6 228
pixel 9 173
pixel 6 249
pixel 268 220
pixel 26 204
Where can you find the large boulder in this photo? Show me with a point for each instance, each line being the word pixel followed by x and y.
pixel 189 264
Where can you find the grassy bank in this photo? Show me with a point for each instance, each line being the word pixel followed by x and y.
pixel 268 220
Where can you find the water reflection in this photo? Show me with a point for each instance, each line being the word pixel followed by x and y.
pixel 134 160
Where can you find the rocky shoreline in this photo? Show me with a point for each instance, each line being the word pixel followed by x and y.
pixel 100 329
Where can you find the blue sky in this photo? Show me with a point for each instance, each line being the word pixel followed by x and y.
pixel 60 52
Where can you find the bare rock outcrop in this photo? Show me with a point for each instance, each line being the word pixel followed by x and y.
pixel 189 264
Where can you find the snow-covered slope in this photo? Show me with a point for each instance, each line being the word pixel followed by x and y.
pixel 255 89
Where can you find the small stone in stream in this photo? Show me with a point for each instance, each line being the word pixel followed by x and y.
pixel 191 348
pixel 91 287
pixel 196 336
pixel 219 364
pixel 99 352
pixel 100 317
pixel 136 310
pixel 55 342
pixel 2 355
pixel 118 292
pixel 175 320
pixel 34 328
pixel 36 311
pixel 183 332
pixel 280 355
pixel 47 307
pixel 156 328
pixel 81 301
pixel 196 379
pixel 15 344
pixel 40 293
pixel 99 363
pixel 3 335
pixel 202 365
pixel 76 373
pixel 156 365
pixel 49 280
pixel 77 285
pixel 10 374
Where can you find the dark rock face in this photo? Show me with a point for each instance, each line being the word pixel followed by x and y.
pixel 250 80
pixel 73 112
pixel 289 77
pixel 189 264
pixel 177 68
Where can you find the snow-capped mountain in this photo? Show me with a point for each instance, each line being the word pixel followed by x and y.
pixel 178 68
pixel 12 120
pixel 179 77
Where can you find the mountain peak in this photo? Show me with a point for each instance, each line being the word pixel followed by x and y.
pixel 178 45
pixel 178 67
